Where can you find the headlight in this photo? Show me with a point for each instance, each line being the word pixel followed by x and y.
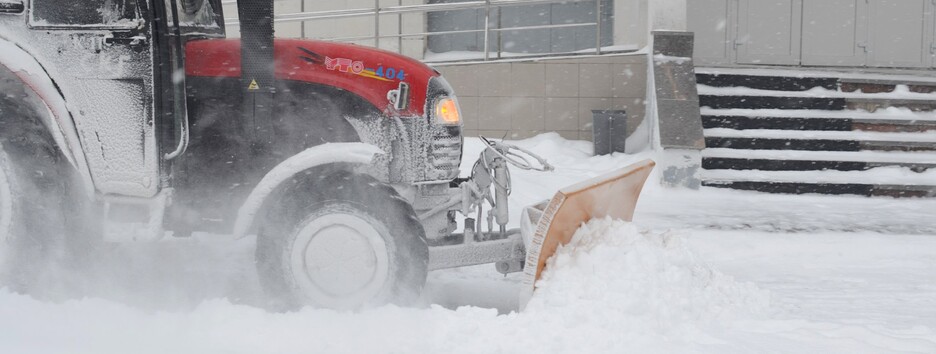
pixel 446 111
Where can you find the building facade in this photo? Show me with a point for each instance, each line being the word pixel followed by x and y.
pixel 829 33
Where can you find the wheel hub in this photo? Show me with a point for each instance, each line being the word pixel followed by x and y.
pixel 341 260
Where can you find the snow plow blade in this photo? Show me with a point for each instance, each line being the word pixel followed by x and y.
pixel 548 225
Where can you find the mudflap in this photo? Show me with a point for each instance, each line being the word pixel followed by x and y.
pixel 546 226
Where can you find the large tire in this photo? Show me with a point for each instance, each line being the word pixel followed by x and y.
pixel 341 240
pixel 32 215
pixel 47 220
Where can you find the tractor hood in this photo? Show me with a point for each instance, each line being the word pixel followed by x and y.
pixel 367 72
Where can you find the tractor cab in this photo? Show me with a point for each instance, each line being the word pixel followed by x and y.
pixel 115 79
pixel 119 62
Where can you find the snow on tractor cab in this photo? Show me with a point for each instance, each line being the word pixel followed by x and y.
pixel 124 119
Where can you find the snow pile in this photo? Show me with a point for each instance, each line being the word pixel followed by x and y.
pixel 640 282
pixel 613 288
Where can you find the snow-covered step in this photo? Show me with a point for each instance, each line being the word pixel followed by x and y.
pixel 742 123
pixel 901 92
pixel 857 156
pixel 874 86
pixel 893 126
pixel 727 163
pixel 768 102
pixel 924 137
pixel 878 176
pixel 803 73
pixel 755 143
pixel 819 140
pixel 772 160
pixel 721 163
pixel 814 124
pixel 814 98
pixel 883 181
pixel 870 190
pixel 805 134
pixel 782 144
pixel 888 114
pixel 778 83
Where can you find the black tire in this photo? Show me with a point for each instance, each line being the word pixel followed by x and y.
pixel 339 200
pixel 52 223
pixel 32 211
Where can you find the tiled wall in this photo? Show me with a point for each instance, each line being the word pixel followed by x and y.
pixel 522 99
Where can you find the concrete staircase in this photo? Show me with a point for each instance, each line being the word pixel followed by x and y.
pixel 796 133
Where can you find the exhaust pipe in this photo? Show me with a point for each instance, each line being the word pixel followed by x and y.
pixel 257 71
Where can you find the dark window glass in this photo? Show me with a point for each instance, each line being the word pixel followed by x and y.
pixel 84 12
pixel 542 40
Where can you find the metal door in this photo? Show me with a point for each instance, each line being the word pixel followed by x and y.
pixel 102 60
pixel 930 43
pixel 835 32
pixel 899 34
pixel 713 24
pixel 769 32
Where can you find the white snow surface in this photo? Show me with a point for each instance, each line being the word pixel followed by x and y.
pixel 709 271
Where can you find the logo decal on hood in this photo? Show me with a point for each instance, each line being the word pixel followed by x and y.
pixel 346 65
pixel 351 66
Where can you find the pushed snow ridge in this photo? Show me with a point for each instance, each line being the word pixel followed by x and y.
pixel 639 281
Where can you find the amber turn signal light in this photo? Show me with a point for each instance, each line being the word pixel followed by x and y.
pixel 446 111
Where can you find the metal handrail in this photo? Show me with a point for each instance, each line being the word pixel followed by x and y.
pixel 485 5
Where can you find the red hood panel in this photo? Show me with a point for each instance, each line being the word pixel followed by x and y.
pixel 365 71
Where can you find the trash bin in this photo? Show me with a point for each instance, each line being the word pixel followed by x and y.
pixel 609 130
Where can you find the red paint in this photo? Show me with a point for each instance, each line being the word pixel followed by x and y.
pixel 221 58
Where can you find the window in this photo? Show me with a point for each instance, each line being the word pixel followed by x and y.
pixel 85 13
pixel 198 13
pixel 541 41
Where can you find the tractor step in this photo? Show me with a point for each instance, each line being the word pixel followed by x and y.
pixel 130 219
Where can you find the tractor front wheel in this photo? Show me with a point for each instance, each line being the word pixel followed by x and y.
pixel 343 241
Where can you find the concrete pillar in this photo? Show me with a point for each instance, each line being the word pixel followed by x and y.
pixel 674 108
pixel 668 15
pixel 630 22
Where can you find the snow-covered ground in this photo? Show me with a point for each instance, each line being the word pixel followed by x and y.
pixel 710 271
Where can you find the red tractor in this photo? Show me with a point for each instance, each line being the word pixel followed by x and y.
pixel 130 118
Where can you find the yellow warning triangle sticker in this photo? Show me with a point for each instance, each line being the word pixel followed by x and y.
pixel 253 85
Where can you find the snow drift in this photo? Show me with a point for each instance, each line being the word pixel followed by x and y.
pixel 613 287
pixel 645 286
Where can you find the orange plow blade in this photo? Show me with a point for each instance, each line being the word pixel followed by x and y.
pixel 613 194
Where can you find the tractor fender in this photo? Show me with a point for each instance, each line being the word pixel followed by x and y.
pixel 353 153
pixel 53 110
